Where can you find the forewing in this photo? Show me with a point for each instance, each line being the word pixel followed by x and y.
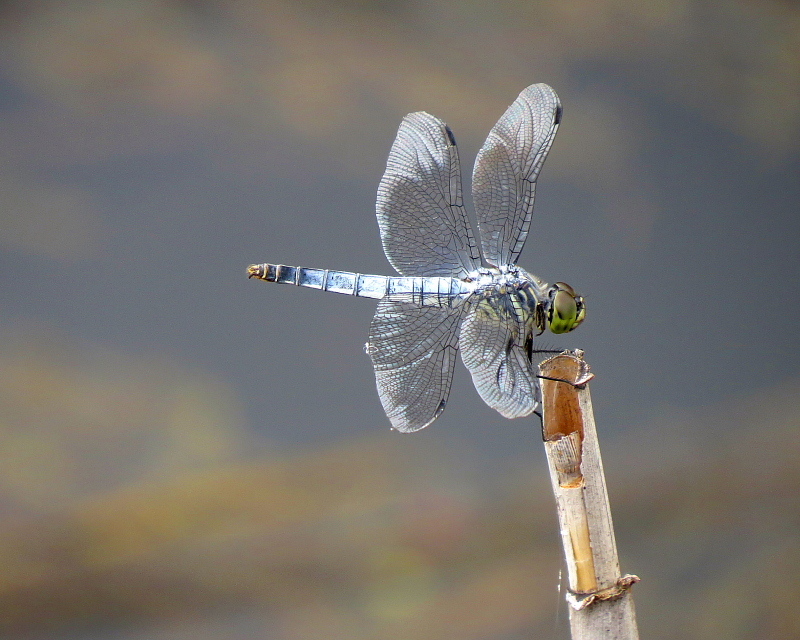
pixel 413 350
pixel 500 367
pixel 424 228
pixel 508 164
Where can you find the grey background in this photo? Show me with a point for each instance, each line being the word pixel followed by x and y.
pixel 150 151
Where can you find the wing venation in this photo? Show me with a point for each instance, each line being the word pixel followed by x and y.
pixel 424 228
pixel 499 362
pixel 413 351
pixel 506 170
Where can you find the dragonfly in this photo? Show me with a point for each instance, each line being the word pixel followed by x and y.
pixel 453 293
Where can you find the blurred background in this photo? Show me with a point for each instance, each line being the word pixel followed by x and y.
pixel 188 454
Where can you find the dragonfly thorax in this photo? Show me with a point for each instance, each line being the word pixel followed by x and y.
pixel 511 294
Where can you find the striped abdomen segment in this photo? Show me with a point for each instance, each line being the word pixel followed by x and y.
pixel 427 292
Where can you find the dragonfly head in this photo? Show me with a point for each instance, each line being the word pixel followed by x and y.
pixel 565 308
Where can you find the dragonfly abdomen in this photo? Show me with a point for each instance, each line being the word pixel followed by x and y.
pixel 421 291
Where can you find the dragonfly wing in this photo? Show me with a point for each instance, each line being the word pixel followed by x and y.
pixel 500 365
pixel 413 350
pixel 424 228
pixel 508 164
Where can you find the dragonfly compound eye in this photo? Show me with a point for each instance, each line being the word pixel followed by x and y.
pixel 567 309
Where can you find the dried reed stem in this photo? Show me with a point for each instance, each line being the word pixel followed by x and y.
pixel 601 605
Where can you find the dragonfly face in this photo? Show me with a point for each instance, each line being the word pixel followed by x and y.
pixel 445 300
pixel 565 309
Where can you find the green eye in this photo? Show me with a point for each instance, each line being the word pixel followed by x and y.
pixel 567 309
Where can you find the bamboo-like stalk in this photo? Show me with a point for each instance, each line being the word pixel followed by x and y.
pixel 601 605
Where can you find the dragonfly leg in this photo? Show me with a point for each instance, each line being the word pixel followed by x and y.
pixel 577 385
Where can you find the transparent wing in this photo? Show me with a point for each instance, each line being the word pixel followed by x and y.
pixel 424 228
pixel 413 350
pixel 500 366
pixel 508 164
